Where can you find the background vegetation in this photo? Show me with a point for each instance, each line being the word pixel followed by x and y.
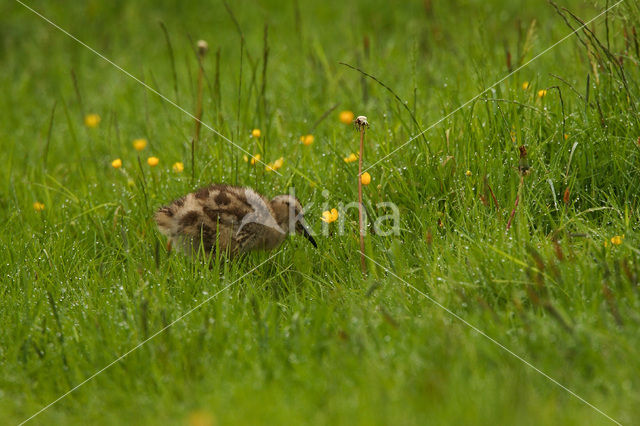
pixel 302 337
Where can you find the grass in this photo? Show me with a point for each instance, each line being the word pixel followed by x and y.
pixel 302 337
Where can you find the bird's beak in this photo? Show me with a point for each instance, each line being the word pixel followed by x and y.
pixel 302 228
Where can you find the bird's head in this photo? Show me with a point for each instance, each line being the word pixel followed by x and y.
pixel 289 215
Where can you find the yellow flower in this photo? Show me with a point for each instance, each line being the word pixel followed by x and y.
pixel 92 120
pixel 525 85
pixel 201 418
pixel 178 167
pixel 351 158
pixel 566 136
pixel 365 178
pixel 256 133
pixel 330 216
pixel 542 93
pixel 38 206
pixel 254 158
pixel 139 144
pixel 347 117
pixel 468 173
pixel 153 161
pixel 307 139
pixel 275 165
pixel 617 240
pixel 117 163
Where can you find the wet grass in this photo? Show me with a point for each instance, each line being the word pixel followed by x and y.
pixel 302 337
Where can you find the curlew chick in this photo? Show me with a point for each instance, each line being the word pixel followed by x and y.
pixel 231 219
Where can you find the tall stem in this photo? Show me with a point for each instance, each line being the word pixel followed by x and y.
pixel 363 265
pixel 202 50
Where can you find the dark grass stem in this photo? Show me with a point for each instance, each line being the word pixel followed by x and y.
pixel 193 160
pixel 513 212
pixel 562 109
pixel 322 118
pixel 45 152
pixel 515 205
pixel 76 88
pixel 202 51
pixel 143 182
pixel 235 162
pixel 216 85
pixel 265 61
pixel 172 60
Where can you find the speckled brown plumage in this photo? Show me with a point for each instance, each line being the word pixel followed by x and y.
pixel 232 219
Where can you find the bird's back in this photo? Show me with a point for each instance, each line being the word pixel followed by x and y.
pixel 213 216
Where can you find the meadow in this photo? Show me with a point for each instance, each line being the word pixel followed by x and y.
pixel 508 295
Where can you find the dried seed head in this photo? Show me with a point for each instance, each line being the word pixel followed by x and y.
pixel 203 47
pixel 361 122
pixel 523 164
pixel 523 151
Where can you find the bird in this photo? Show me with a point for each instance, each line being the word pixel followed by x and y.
pixel 230 219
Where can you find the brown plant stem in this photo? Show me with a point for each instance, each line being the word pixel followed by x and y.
pixel 363 265
pixel 513 212
pixel 202 50
pixel 199 104
pixel 515 206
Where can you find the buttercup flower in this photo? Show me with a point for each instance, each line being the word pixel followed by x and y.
pixel 468 173
pixel 153 161
pixel 275 165
pixel 351 158
pixel 254 158
pixel 178 167
pixel 117 163
pixel 139 144
pixel 256 133
pixel 330 216
pixel 525 85
pixel 365 178
pixel 38 206
pixel 347 117
pixel 92 120
pixel 617 240
pixel 542 93
pixel 307 139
